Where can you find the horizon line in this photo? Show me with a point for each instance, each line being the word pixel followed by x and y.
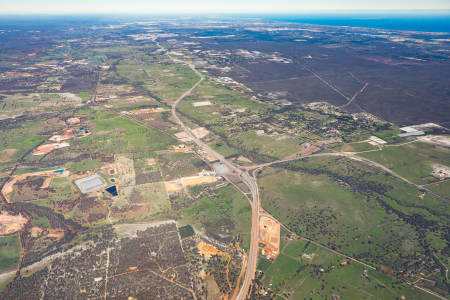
pixel 312 11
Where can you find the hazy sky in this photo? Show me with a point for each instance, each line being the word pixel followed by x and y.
pixel 204 6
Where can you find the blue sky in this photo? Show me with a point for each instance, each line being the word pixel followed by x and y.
pixel 205 6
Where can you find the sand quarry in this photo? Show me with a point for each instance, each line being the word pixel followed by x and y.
pixel 180 184
pixel 208 250
pixel 47 148
pixel 10 224
pixel 269 236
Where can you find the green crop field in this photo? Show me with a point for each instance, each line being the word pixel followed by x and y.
pixel 272 146
pixel 155 196
pixel 356 209
pixel 233 98
pixel 85 95
pixel 84 165
pixel 169 81
pixel 357 147
pixel 223 100
pixel 224 214
pixel 9 251
pixel 224 149
pixel 306 271
pixel 20 143
pixel 131 70
pixel 175 165
pixel 207 115
pixel 120 135
pixel 413 161
pixel 63 189
pixel 40 221
pixel 442 188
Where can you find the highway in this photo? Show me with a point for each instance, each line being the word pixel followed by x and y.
pixel 249 180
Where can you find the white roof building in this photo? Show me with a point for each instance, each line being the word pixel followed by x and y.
pixel 90 184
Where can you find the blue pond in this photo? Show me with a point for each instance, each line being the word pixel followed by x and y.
pixel 112 190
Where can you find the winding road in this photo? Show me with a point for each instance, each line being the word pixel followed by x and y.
pixel 249 180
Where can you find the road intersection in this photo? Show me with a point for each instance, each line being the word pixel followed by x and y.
pixel 248 176
pixel 249 180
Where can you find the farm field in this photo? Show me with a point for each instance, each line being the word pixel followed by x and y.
pixel 106 194
pixel 357 147
pixel 169 81
pixel 304 270
pixel 38 103
pixel 225 214
pixel 175 165
pixel 224 149
pixel 9 252
pixel 19 140
pixel 442 188
pixel 356 210
pixel 269 146
pixel 413 161
pixel 117 134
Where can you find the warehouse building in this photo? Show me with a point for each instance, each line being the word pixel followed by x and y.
pixel 90 184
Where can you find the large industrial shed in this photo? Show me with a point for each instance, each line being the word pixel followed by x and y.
pixel 90 184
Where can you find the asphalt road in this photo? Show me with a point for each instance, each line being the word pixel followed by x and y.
pixel 250 181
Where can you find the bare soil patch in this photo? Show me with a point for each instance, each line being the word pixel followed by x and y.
pixel 10 224
pixel 347 148
pixel 270 237
pixel 6 155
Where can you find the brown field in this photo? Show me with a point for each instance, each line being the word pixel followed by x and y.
pixel 347 148
pixel 146 111
pixel 10 224
pixel 197 180
pixel 208 250
pixel 47 148
pixel 305 149
pixel 440 140
pixel 46 183
pixel 6 155
pixel 58 138
pixel 36 231
pixel 269 236
pixel 57 233
pixel 183 137
pixel 159 124
pixel 179 184
pixel 212 288
pixel 200 132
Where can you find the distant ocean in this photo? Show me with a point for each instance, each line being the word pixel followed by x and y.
pixel 416 22
pixel 428 22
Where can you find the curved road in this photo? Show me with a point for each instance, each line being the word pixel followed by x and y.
pixel 250 181
pixel 353 156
